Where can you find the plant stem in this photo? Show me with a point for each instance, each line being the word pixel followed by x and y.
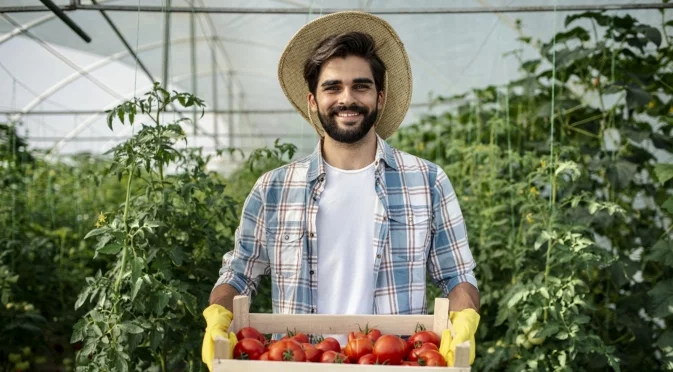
pixel 126 231
pixel 163 362
pixel 663 28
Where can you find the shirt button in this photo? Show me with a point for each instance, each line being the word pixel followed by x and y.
pixel 410 219
pixel 287 237
pixel 312 311
pixel 378 256
pixel 312 235
pixel 312 272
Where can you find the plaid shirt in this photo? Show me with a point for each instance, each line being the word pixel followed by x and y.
pixel 419 226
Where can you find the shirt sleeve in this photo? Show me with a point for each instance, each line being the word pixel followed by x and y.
pixel 450 260
pixel 243 266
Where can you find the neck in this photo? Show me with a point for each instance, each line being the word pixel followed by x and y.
pixel 350 156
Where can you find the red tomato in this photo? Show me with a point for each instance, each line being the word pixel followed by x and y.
pixel 312 353
pixel 422 337
pixel 390 349
pixel 431 358
pixel 359 347
pixel 330 343
pixel 249 332
pixel 248 349
pixel 413 354
pixel 410 363
pixel 371 333
pixel 287 350
pixel 334 357
pixel 301 338
pixel 368 359
pixel 264 356
pixel 297 336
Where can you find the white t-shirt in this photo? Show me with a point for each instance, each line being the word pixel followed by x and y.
pixel 346 251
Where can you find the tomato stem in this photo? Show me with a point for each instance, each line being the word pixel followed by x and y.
pixel 126 231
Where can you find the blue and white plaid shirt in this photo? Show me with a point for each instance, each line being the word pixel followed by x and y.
pixel 419 226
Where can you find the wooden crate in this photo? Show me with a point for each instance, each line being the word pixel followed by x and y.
pixel 332 324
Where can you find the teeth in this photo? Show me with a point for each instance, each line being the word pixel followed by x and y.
pixel 345 115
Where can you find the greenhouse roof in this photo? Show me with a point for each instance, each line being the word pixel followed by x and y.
pixel 58 86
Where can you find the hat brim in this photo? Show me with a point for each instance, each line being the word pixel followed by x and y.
pixel 389 48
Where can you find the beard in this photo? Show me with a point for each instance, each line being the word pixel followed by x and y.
pixel 348 135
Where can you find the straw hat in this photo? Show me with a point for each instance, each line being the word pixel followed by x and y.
pixel 397 84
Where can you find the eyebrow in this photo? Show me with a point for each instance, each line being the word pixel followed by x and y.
pixel 363 81
pixel 328 83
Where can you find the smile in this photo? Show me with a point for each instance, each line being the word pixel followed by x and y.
pixel 347 114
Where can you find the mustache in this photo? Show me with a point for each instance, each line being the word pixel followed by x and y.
pixel 354 108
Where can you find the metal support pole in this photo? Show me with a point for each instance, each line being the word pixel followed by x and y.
pixel 213 55
pixel 60 14
pixel 167 43
pixel 192 44
pixel 456 10
pixel 230 106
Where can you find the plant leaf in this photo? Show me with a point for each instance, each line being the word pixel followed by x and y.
pixel 662 252
pixel 664 172
pixel 130 328
pixel 668 205
pixel 621 173
pixel 136 288
pixel 96 232
pixel 662 298
pixel 78 331
pixel 636 97
pixel 113 248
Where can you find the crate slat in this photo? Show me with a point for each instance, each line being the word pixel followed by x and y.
pixel 262 366
pixel 441 317
pixel 339 324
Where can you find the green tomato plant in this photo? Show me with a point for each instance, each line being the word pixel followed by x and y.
pixel 167 238
pixel 564 179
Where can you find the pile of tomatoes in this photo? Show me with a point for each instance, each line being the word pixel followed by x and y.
pixel 367 346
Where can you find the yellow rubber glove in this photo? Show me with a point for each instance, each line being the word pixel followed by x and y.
pixel 465 323
pixel 218 320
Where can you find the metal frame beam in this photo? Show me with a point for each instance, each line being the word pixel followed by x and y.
pixel 64 17
pixel 226 10
pixel 123 138
pixel 167 44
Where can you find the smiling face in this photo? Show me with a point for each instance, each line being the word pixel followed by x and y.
pixel 346 99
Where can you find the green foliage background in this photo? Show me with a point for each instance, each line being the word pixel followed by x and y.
pixel 564 179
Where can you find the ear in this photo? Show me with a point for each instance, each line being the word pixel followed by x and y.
pixel 312 102
pixel 379 101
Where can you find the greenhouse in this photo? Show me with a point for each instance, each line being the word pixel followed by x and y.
pixel 156 155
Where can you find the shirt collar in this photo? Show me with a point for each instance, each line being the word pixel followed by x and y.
pixel 384 152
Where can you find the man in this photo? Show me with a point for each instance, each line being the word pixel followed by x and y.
pixel 352 228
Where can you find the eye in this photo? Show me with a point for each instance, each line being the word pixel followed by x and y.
pixel 361 86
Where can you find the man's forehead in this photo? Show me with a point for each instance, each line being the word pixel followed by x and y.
pixel 346 69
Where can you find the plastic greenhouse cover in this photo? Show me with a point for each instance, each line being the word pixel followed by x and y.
pixel 50 68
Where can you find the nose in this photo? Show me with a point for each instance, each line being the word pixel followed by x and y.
pixel 346 98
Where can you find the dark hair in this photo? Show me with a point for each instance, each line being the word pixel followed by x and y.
pixel 343 45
